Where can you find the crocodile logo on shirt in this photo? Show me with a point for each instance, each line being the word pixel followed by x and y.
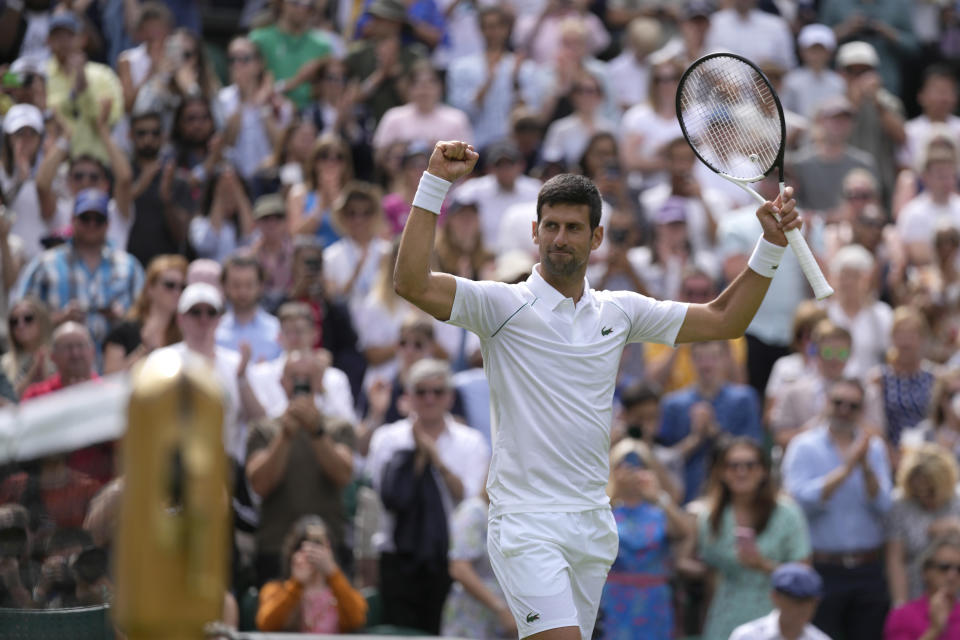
pixel 606 331
pixel 532 617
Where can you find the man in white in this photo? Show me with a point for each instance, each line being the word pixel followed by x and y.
pixel 938 204
pixel 754 34
pixel 551 350
pixel 456 457
pixel 796 593
pixel 630 71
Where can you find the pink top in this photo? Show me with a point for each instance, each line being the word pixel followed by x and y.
pixel 910 621
pixel 406 124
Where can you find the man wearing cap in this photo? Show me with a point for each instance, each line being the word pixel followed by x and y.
pixel 754 34
pixel 503 186
pixel 85 280
pixel 487 85
pixel 246 322
pixel 291 50
pixel 76 88
pixel 795 595
pixel 273 249
pixel 878 123
pixel 807 86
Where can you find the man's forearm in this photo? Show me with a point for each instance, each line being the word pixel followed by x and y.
pixel 413 257
pixel 833 481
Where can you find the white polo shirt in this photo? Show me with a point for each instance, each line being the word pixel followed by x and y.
pixel 552 366
pixel 768 628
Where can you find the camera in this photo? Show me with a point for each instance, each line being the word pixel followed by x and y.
pixel 302 387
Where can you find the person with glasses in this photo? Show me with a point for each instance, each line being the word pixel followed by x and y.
pixel 28 357
pixel 29 219
pixel 926 505
pixel 85 280
pixel 746 530
pixel 567 138
pixel 935 614
pixel 310 203
pixel 151 322
pixel 422 466
pixel 839 473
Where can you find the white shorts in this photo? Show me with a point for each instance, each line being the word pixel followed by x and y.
pixel 552 566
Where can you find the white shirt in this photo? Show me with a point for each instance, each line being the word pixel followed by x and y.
pixel 919 218
pixel 552 367
pixel 461 449
pixel 493 200
pixel 768 628
pixel 567 138
pixel 340 260
pixel 252 145
pixel 698 220
pixel 870 330
pixel 761 37
pixel 643 127
pixel 629 78
pixel 336 399
pixel 804 90
pixel 407 124
pixel 918 135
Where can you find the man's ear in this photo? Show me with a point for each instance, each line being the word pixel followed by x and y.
pixel 597 239
pixel 534 230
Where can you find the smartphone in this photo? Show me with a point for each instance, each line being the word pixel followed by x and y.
pixel 302 387
pixel 745 537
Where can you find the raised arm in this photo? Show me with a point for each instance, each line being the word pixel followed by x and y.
pixel 412 277
pixel 729 315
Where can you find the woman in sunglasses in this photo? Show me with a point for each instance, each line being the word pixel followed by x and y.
pixel 29 332
pixel 152 321
pixel 747 530
pixel 926 506
pixel 935 614
pixel 310 203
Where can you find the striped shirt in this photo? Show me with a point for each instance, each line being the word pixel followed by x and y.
pixel 59 275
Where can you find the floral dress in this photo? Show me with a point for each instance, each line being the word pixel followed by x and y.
pixel 463 615
pixel 743 594
pixel 637 599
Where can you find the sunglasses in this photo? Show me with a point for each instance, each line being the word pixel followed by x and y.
pixel 196 117
pixel 859 195
pixel 359 213
pixel 25 320
pixel 244 58
pixel 944 567
pixel 201 312
pixel 85 176
pixel 93 219
pixel 830 353
pixel 148 133
pixel 742 465
pixel 422 392
pixel 840 403
pixel 416 344
pixel 172 285
pixel 338 157
pixel 873 223
pixel 586 90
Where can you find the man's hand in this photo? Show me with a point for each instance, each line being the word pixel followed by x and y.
pixel 245 353
pixel 786 207
pixel 703 420
pixel 452 160
pixel 425 444
pixel 858 453
pixel 305 412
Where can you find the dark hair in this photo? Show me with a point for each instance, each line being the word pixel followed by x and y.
pixel 591 172
pixel 241 261
pixel 296 537
pixel 765 500
pixel 152 10
pixel 146 114
pixel 570 188
pixel 850 382
pixel 175 135
pixel 939 70
pixel 640 392
pixel 496 10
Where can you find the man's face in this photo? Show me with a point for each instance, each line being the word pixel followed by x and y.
pixel 938 97
pixel 62 43
pixel 308 265
pixel 795 611
pixel 199 324
pixel 845 403
pixel 565 238
pixel 87 174
pixel 73 354
pixel 431 398
pixel 195 123
pixel 147 136
pixel 241 287
pixel 709 361
pixel 297 374
pixel 495 30
pixel 832 356
pixel 89 229
pixel 297 334
pixel 298 11
pixel 507 170
pixel 644 416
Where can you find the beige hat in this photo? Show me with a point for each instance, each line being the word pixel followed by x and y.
pixel 857 53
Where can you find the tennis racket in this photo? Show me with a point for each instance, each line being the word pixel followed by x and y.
pixel 732 119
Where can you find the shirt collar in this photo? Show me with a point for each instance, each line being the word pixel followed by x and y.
pixel 548 293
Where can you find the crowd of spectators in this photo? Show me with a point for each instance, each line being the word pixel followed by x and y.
pixel 240 197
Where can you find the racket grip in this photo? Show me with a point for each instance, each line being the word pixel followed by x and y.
pixel 808 264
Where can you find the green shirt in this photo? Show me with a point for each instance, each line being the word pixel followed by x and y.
pixel 284 53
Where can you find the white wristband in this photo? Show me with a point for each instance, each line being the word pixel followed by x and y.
pixel 766 258
pixel 431 192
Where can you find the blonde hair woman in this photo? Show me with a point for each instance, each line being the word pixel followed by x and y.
pixel 647 522
pixel 925 505
pixel 310 203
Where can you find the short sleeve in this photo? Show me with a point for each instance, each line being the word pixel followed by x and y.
pixel 651 320
pixel 467 533
pixel 485 306
pixel 260 436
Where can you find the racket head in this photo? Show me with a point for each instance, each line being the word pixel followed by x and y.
pixel 731 117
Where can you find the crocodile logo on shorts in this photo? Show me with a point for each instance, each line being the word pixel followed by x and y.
pixel 606 331
pixel 532 617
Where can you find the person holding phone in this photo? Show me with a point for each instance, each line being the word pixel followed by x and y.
pixel 747 530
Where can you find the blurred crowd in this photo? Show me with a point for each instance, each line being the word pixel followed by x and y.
pixel 171 184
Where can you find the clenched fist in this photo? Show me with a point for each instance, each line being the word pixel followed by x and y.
pixel 452 160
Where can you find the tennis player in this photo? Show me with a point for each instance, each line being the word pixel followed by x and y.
pixel 551 349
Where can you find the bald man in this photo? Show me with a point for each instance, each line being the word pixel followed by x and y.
pixel 73 354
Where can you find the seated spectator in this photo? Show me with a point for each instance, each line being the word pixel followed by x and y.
pixel 938 101
pixel 31 219
pixel 245 321
pixel 796 591
pixel 152 321
pixel 540 33
pixel 936 614
pixel 662 262
pixel 567 138
pixel 693 418
pixel 840 475
pixel 310 203
pixel 802 361
pixel 424 118
pixel 942 424
pixel 301 448
pixel 422 466
pixel 630 71
pixel 197 149
pixel 85 280
pixel 639 420
pixel 288 165
pixel 273 249
pixel 938 202
pixel 475 607
pixel 925 506
pixel 154 25
pixel 316 596
pixel 226 219
pixel 57 587
pixel 28 359
pixel 410 165
pixel 206 271
pixel 747 530
pixel 855 308
pixel 808 86
pixel 746 30
pixel 648 520
pixel 73 356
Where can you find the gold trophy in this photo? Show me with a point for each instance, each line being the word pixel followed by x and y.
pixel 173 543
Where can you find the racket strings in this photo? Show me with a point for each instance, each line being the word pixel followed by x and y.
pixel 731 117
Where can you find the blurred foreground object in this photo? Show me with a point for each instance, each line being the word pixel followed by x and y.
pixel 173 540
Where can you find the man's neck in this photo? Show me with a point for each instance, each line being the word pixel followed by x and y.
pixel 790 629
pixel 89 253
pixel 709 388
pixel 205 348
pixel 433 427
pixel 244 316
pixel 288 26
pixel 570 287
pixel 842 434
pixel 940 198
pixel 831 149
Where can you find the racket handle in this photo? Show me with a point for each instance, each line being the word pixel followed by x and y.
pixel 808 264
